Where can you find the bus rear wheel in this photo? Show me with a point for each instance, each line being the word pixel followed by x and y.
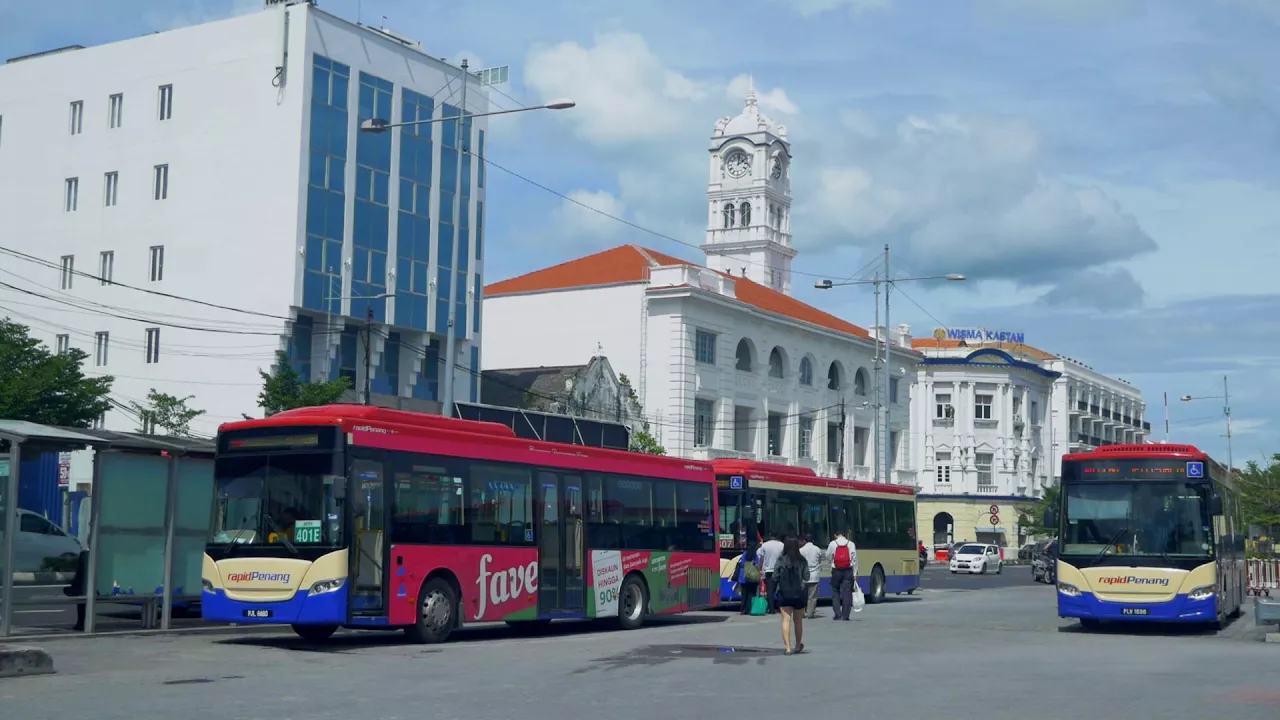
pixel 315 633
pixel 633 603
pixel 877 586
pixel 437 613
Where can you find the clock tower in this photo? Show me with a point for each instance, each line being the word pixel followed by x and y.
pixel 749 199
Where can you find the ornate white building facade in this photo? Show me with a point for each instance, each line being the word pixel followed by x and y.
pixel 726 362
pixel 993 422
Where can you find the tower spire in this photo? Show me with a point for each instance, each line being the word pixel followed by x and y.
pixel 751 91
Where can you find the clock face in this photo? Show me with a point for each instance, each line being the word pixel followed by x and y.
pixel 737 164
pixel 777 169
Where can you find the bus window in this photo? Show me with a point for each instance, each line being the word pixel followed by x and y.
pixel 501 507
pixel 814 523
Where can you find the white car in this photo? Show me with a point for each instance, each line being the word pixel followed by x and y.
pixel 41 546
pixel 976 558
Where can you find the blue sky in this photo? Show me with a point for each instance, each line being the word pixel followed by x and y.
pixel 1103 170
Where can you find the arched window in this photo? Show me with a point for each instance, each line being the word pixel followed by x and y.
pixel 777 365
pixel 833 376
pixel 860 382
pixel 745 213
pixel 743 355
pixel 806 372
pixel 728 215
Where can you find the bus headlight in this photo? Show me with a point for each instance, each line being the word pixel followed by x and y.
pixel 1068 589
pixel 325 586
pixel 206 585
pixel 1202 593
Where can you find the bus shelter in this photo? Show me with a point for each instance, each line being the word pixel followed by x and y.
pixel 150 505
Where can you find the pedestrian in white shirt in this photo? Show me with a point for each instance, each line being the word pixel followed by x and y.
pixel 844 573
pixel 813 555
pixel 769 553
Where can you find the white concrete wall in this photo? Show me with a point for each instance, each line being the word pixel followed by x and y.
pixel 228 226
pixel 565 327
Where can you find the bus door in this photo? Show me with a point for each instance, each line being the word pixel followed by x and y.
pixel 561 566
pixel 367 520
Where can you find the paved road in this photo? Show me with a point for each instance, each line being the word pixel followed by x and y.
pixel 938 576
pixel 904 658
pixel 51 615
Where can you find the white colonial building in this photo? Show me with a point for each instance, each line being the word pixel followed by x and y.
pixel 223 163
pixel 726 362
pixel 994 420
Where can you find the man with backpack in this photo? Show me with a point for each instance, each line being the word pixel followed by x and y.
pixel 844 570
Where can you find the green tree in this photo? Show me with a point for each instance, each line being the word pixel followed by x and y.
pixel 169 413
pixel 284 389
pixel 1032 521
pixel 1260 494
pixel 49 388
pixel 641 440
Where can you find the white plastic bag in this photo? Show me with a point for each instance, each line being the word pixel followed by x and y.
pixel 859 601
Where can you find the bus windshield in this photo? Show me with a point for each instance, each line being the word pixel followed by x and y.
pixel 1167 519
pixel 277 499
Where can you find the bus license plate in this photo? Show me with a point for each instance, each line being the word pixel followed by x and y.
pixel 254 613
pixel 1134 611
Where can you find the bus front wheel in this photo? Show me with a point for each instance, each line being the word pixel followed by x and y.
pixel 315 633
pixel 633 603
pixel 437 611
pixel 877 586
pixel 1090 623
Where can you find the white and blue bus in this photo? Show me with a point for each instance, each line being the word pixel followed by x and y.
pixel 1148 533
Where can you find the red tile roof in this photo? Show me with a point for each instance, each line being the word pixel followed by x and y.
pixel 632 263
pixel 927 343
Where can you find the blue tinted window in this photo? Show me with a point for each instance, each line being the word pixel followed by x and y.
pixel 480 160
pixel 333 215
pixel 319 131
pixel 337 131
pixel 316 176
pixel 475 374
pixel 464 249
pixel 423 201
pixel 476 304
pixel 315 253
pixel 423 163
pixel 364 182
pixel 380 181
pixel 406 196
pixel 359 266
pixel 380 228
pixel 320 86
pixel 378 268
pixel 479 230
pixel 447 201
pixel 366 102
pixel 466 175
pixel 339 91
pixel 444 245
pixel 421 238
pixel 315 210
pixel 448 130
pixel 448 169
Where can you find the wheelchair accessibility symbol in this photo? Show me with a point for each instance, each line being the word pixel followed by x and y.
pixel 735 482
pixel 1195 469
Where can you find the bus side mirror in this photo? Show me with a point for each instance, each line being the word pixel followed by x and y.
pixel 1215 505
pixel 1050 517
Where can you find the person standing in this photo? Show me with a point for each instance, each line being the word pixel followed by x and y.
pixel 748 578
pixel 813 556
pixel 791 573
pixel 769 553
pixel 844 573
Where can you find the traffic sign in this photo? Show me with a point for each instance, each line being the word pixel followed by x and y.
pixel 735 482
pixel 995 509
pixel 995 519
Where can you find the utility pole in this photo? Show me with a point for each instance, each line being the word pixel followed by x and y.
pixel 463 137
pixel 1166 416
pixel 1226 409
pixel 368 351
pixel 875 395
pixel 888 383
pixel 840 442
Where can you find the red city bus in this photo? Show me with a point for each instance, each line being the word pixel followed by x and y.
pixel 362 517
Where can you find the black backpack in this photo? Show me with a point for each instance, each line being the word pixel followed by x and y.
pixel 789 581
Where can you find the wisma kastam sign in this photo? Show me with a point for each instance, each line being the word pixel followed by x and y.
pixel 983 335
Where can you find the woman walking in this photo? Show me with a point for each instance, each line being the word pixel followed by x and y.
pixel 790 575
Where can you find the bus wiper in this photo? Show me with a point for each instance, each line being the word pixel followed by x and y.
pixel 281 534
pixel 1107 547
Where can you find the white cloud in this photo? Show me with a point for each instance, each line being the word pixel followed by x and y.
pixel 775 99
pixel 475 63
pixel 623 91
pixel 580 222
pixel 858 123
pixel 958 194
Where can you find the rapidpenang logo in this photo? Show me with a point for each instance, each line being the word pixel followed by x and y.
pixel 1134 580
pixel 255 576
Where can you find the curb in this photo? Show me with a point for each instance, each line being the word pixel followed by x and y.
pixel 143 632
pixel 19 660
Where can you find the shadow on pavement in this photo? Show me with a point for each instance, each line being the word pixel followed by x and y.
pixel 363 639
pixel 1147 629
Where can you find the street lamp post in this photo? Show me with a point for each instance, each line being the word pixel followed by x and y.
pixel 883 433
pixel 368 337
pixel 378 125
pixel 1225 397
